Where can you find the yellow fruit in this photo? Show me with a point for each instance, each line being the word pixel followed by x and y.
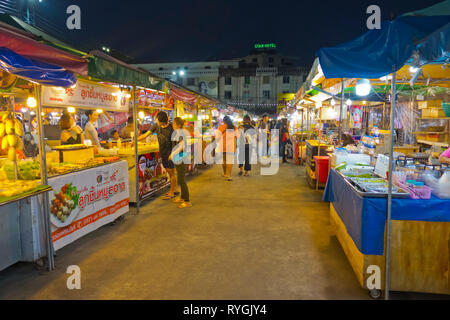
pixel 2 129
pixel 11 153
pixel 5 116
pixel 18 127
pixel 4 143
pixel 12 140
pixel 9 124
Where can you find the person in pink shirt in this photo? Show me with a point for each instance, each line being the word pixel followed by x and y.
pixel 445 156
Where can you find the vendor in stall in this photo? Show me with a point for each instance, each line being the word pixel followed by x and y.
pixel 445 157
pixel 128 129
pixel 347 139
pixel 71 133
pixel 90 131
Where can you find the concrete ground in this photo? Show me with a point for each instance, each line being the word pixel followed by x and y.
pixel 258 237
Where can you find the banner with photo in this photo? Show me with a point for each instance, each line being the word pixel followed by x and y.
pixel 82 202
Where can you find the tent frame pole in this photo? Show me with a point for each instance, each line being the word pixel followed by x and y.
pixel 301 141
pixel 44 179
pixel 136 151
pixel 389 199
pixel 340 112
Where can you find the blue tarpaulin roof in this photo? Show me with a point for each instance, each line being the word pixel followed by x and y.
pixel 36 71
pixel 378 52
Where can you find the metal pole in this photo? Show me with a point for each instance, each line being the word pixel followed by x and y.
pixel 318 148
pixel 340 113
pixel 389 199
pixel 46 213
pixel 301 142
pixel 136 153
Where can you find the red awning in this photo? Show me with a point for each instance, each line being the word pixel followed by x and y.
pixel 35 50
pixel 180 94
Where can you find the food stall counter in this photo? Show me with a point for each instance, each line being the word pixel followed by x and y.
pixel 420 234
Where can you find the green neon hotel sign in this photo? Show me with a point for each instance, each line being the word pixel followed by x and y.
pixel 265 45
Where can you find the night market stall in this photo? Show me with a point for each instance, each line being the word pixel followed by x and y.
pixel 390 215
pixel 26 65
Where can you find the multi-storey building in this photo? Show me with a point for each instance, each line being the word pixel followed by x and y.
pixel 252 82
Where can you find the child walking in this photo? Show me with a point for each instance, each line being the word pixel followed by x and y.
pixel 177 155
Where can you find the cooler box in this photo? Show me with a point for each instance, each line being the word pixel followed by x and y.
pixel 322 168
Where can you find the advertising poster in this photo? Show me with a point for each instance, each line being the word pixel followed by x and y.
pixel 357 117
pixel 283 99
pixel 152 175
pixel 86 94
pixel 82 202
pixel 151 98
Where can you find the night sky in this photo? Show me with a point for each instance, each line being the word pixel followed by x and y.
pixel 198 30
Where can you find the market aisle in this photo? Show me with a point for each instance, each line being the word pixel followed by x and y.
pixel 259 237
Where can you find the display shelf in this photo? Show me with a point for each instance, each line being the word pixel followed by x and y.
pixel 442 118
pixel 432 143
pixel 429 132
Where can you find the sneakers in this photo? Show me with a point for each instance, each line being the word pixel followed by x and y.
pixel 185 205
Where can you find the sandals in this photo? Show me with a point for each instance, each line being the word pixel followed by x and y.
pixel 178 200
pixel 185 205
pixel 167 197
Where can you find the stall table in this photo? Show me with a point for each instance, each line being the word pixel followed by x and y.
pixel 22 235
pixel 420 242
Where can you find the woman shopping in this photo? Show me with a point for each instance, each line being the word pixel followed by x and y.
pixel 177 155
pixel 227 141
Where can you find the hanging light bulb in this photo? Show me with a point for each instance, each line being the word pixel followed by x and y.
pixel 71 109
pixel 141 115
pixel 348 102
pixel 363 87
pixel 332 102
pixel 31 102
pixel 413 69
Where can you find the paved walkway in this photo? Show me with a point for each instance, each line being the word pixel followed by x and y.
pixel 258 237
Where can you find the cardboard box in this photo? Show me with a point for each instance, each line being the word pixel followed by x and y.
pixel 430 104
pixel 433 113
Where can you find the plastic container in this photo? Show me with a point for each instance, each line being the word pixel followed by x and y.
pixel 322 168
pixel 446 108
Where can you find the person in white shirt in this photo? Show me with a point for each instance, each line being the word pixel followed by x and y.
pixel 90 132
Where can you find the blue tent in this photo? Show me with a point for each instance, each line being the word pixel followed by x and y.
pixel 36 71
pixel 378 52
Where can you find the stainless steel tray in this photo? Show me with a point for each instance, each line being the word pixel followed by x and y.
pixel 362 193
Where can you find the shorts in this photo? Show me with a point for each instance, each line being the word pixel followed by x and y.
pixel 167 164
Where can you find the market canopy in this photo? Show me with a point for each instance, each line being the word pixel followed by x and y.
pixel 33 70
pixel 22 44
pixel 379 52
pixel 106 70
